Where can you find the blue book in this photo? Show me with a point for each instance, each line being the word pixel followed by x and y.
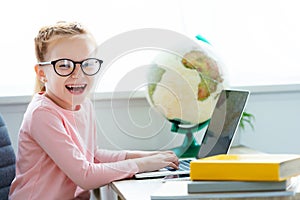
pixel 237 186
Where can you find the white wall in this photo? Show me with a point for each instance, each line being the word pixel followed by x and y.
pixel 277 123
pixel 129 123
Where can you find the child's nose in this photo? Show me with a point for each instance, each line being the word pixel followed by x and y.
pixel 77 72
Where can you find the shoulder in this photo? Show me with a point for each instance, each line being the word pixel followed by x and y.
pixel 41 115
pixel 41 108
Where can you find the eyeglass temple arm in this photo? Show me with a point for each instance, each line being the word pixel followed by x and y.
pixel 44 63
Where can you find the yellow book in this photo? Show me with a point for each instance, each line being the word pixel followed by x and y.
pixel 246 167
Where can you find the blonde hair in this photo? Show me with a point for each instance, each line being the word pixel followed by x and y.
pixel 51 33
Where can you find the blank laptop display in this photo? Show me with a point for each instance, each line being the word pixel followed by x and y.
pixel 219 134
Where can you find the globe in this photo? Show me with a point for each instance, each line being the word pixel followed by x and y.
pixel 184 88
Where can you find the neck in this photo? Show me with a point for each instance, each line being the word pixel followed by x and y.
pixel 62 104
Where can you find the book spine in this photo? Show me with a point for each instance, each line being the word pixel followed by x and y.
pixel 235 171
pixel 235 186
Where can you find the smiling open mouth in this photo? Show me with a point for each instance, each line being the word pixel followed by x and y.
pixel 76 89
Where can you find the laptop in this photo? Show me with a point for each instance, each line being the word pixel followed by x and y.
pixel 218 136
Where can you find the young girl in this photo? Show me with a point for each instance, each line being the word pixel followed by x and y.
pixel 57 155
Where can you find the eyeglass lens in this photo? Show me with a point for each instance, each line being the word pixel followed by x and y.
pixel 65 67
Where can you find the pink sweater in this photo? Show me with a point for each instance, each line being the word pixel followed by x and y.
pixel 58 156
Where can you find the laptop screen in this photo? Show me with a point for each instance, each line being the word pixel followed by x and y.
pixel 223 123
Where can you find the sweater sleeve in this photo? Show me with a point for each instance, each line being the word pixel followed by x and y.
pixel 48 131
pixel 106 156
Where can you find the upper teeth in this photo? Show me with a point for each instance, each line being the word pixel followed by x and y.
pixel 75 86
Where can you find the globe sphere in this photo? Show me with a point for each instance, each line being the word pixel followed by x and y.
pixel 184 86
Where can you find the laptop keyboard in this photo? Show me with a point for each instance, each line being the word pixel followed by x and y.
pixel 184 165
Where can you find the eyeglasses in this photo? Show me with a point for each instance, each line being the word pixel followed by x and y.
pixel 65 67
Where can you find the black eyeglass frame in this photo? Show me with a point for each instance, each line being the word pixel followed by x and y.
pixel 74 63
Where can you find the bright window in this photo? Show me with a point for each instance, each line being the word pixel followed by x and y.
pixel 258 40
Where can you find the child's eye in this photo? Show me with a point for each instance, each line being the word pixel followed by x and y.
pixel 85 64
pixel 64 66
pixel 90 63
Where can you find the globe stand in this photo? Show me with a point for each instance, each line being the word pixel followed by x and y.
pixel 190 146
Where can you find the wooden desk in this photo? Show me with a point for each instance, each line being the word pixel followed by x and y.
pixel 143 189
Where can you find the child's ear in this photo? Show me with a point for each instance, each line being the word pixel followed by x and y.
pixel 40 73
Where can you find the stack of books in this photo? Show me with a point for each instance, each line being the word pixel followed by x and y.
pixel 244 173
pixel 237 176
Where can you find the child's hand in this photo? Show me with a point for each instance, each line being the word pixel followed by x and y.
pixel 157 161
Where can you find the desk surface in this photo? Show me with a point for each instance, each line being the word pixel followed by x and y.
pixel 143 189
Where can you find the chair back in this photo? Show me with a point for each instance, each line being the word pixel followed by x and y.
pixel 7 161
